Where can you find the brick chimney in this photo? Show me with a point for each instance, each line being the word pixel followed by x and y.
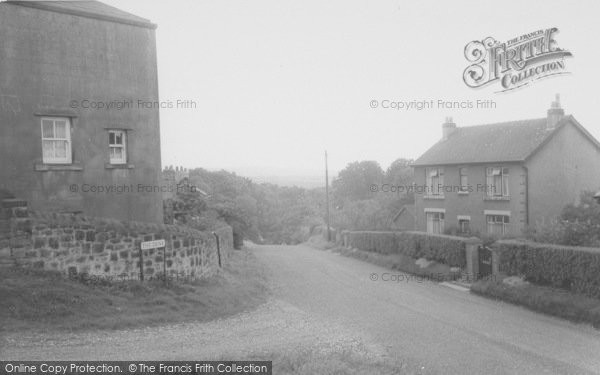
pixel 448 127
pixel 555 114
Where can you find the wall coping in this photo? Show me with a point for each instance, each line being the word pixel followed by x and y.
pixel 114 224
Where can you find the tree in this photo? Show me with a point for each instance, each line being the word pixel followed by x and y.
pixel 400 172
pixel 353 182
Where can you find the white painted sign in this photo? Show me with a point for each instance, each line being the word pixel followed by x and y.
pixel 153 244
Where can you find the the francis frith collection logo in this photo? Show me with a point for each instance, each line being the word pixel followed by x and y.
pixel 516 62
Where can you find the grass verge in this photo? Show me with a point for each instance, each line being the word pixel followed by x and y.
pixel 574 307
pixel 43 300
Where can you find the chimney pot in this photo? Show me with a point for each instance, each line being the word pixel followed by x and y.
pixel 555 114
pixel 448 127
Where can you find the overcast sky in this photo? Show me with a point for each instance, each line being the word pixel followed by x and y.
pixel 279 81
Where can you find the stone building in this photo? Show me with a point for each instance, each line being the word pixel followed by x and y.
pixel 501 178
pixel 79 117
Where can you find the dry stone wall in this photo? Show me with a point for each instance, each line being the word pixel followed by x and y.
pixel 81 245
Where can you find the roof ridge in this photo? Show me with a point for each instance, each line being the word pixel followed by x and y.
pixel 88 9
pixel 506 123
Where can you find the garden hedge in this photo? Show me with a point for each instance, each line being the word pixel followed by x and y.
pixel 444 249
pixel 576 269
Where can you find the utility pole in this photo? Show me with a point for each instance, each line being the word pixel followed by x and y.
pixel 327 196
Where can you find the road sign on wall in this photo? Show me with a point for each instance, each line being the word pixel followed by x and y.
pixel 152 244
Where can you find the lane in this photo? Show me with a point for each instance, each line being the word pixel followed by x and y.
pixel 445 329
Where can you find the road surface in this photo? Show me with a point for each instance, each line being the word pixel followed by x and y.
pixel 327 301
pixel 452 331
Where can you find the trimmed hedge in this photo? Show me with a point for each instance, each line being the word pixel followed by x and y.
pixel 444 249
pixel 576 269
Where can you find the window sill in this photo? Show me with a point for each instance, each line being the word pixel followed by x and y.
pixel 41 167
pixel 434 197
pixel 486 198
pixel 118 166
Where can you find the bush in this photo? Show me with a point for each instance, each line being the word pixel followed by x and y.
pixel 578 225
pixel 576 269
pixel 444 249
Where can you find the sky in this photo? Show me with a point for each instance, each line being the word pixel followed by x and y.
pixel 277 82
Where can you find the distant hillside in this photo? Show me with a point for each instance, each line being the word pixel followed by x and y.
pixel 306 182
pixel 306 179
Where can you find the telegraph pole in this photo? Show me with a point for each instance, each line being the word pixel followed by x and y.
pixel 327 196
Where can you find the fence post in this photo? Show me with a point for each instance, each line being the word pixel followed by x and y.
pixel 218 248
pixel 141 264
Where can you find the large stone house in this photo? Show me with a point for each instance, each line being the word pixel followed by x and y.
pixel 501 178
pixel 79 120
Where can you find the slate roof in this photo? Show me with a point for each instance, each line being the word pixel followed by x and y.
pixel 88 8
pixel 512 141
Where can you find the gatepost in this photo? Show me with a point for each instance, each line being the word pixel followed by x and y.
pixel 472 254
pixel 154 245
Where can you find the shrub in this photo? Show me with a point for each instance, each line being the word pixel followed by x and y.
pixel 576 269
pixel 444 249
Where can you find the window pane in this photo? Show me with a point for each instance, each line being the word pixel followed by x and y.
pixel 47 129
pixel 119 138
pixel 48 149
pixel 118 153
pixel 60 149
pixel 111 138
pixel 61 129
pixel 498 185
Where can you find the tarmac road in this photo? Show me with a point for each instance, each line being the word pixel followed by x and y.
pixel 449 330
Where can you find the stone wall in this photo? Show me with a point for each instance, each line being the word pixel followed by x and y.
pixel 104 247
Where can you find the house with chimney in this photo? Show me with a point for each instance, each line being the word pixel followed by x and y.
pixel 500 178
pixel 78 129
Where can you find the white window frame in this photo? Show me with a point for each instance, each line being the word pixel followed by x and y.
pixel 434 181
pixel 463 218
pixel 499 220
pixel 123 146
pixel 68 158
pixel 495 188
pixel 435 219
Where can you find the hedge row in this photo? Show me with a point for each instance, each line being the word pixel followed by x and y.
pixel 448 250
pixel 576 269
